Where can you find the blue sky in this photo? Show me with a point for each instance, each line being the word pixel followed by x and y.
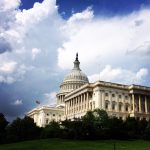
pixel 100 7
pixel 39 40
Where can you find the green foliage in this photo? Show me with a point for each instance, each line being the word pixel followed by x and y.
pixel 131 126
pixel 94 125
pixel 116 128
pixel 88 121
pixel 52 130
pixel 22 129
pixel 147 132
pixel 3 125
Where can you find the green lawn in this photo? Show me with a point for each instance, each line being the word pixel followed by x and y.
pixel 58 144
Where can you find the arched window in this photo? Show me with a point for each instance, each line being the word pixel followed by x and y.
pixel 120 106
pixel 113 105
pixel 106 104
pixel 126 107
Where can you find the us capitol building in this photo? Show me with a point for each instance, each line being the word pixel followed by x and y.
pixel 76 96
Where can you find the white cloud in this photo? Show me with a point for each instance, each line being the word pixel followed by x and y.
pixel 28 27
pixel 143 49
pixel 17 102
pixel 120 75
pixel 37 13
pixel 99 41
pixel 35 52
pixel 103 41
pixel 8 67
pixel 141 74
pixel 85 15
pixel 9 4
pixel 50 98
pixel 11 71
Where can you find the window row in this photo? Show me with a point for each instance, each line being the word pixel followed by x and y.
pixel 113 95
pixel 114 106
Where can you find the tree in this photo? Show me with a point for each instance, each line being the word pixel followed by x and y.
pixel 101 117
pixel 131 127
pixel 89 129
pixel 52 130
pixel 3 125
pixel 116 128
pixel 147 132
pixel 101 123
pixel 22 129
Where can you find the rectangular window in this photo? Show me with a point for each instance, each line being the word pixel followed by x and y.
pixel 47 121
pixel 113 106
pixel 106 106
pixel 113 95
pixel 120 107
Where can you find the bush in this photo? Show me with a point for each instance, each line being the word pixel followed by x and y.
pixel 22 129
pixel 52 130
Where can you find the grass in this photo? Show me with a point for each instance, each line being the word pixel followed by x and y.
pixel 59 144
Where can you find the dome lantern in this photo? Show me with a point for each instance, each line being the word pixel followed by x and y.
pixel 76 63
pixel 75 79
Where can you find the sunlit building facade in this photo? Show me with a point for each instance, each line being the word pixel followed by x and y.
pixel 76 96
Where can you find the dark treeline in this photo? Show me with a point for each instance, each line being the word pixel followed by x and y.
pixel 94 125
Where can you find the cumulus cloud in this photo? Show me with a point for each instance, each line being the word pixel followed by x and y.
pixel 4 45
pixel 35 52
pixel 102 41
pixel 8 67
pixel 85 15
pixel 9 4
pixel 21 36
pixel 17 102
pixel 50 98
pixel 143 49
pixel 120 75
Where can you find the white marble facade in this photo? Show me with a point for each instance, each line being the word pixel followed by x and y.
pixel 77 96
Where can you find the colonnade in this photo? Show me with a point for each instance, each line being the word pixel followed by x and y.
pixel 140 103
pixel 80 103
pixel 61 99
pixel 83 102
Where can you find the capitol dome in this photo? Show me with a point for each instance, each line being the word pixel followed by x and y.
pixel 75 79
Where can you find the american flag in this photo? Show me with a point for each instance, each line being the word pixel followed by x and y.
pixel 37 102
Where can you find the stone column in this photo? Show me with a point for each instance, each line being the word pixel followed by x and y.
pixel 78 103
pixel 110 99
pixel 84 107
pixel 81 102
pixel 133 103
pixel 68 107
pixel 140 109
pixel 87 98
pixel 73 107
pixel 146 108
pixel 124 103
pixel 103 100
pixel 98 97
pixel 117 102
pixel 100 92
pixel 65 108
